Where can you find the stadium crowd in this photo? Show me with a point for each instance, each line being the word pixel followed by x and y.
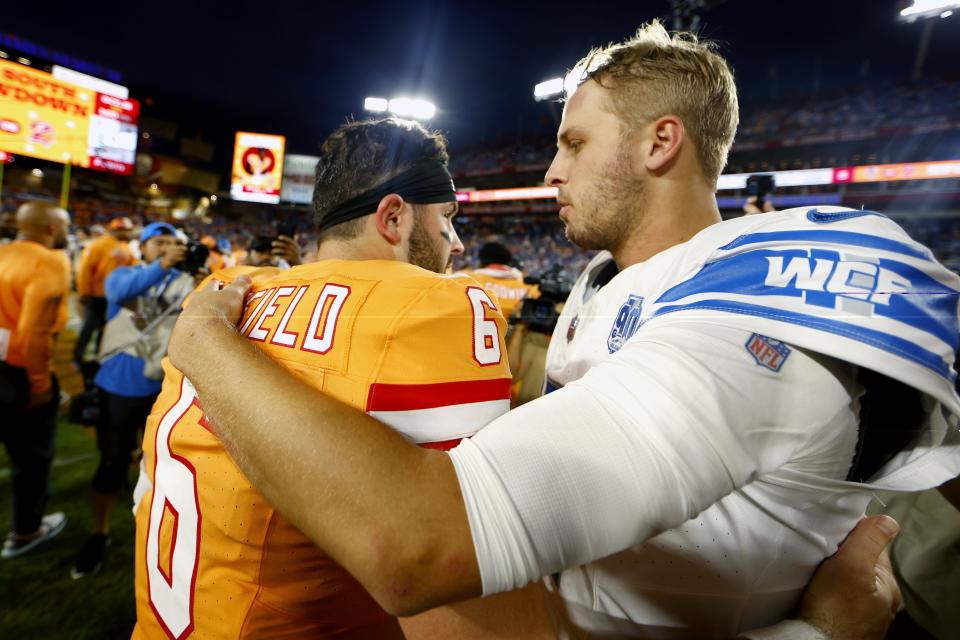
pixel 923 119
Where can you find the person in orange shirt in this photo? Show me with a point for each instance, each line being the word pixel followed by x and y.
pixel 527 349
pixel 34 284
pixel 220 254
pixel 373 322
pixel 500 278
pixel 101 256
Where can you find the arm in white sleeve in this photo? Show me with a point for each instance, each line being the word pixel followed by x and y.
pixel 649 438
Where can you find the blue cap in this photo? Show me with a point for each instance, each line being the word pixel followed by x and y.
pixel 157 229
pixel 223 245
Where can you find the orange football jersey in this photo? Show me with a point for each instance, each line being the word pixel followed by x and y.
pixel 98 260
pixel 424 353
pixel 506 283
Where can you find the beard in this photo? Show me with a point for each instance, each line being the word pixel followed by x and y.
pixel 424 251
pixel 61 242
pixel 609 211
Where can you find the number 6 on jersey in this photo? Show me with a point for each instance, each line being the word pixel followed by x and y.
pixel 174 490
pixel 486 337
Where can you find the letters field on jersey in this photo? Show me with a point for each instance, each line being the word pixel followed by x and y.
pixel 421 352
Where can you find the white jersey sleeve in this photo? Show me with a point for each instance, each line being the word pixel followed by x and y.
pixel 681 416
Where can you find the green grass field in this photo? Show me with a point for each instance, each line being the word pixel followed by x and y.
pixel 38 598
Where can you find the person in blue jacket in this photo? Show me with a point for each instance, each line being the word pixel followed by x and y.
pixel 143 302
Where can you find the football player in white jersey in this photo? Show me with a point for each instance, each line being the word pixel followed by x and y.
pixel 728 394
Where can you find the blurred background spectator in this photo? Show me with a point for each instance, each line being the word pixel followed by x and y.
pixel 34 286
pixel 97 261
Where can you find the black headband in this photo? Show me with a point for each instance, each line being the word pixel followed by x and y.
pixel 423 183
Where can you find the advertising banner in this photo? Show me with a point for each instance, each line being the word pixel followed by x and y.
pixel 257 167
pixel 298 176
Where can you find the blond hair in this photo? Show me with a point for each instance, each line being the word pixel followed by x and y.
pixel 653 74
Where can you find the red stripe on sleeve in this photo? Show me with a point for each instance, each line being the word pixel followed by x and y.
pixel 443 445
pixel 406 397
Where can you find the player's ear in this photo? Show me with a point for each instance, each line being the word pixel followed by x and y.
pixel 666 136
pixel 387 218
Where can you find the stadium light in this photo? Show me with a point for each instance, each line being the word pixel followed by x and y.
pixel 926 10
pixel 403 107
pixel 548 89
pixel 929 9
pixel 376 105
pixel 412 108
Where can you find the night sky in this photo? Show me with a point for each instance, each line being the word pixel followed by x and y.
pixel 299 68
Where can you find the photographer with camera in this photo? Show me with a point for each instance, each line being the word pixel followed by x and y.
pixel 144 301
pixel 280 251
pixel 760 188
pixel 531 331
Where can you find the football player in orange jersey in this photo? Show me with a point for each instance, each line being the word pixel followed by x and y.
pixel 373 323
pixel 527 350
pixel 499 277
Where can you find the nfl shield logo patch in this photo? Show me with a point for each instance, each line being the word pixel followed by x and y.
pixel 626 323
pixel 767 352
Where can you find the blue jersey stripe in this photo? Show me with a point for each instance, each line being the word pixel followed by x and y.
pixel 849 238
pixel 881 340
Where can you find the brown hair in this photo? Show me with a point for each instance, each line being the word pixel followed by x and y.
pixel 653 74
pixel 362 154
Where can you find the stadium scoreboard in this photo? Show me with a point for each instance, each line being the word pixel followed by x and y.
pixel 46 117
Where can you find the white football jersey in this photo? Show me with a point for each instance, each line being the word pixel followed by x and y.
pixel 707 407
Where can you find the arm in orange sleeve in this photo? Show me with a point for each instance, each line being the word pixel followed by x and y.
pixel 38 319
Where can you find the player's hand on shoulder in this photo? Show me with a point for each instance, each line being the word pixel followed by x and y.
pixel 211 308
pixel 854 595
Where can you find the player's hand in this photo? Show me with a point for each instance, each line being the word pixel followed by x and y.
pixel 173 256
pixel 750 206
pixel 209 310
pixel 853 594
pixel 287 248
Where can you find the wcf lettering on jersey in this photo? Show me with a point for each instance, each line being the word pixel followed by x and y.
pixel 824 276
